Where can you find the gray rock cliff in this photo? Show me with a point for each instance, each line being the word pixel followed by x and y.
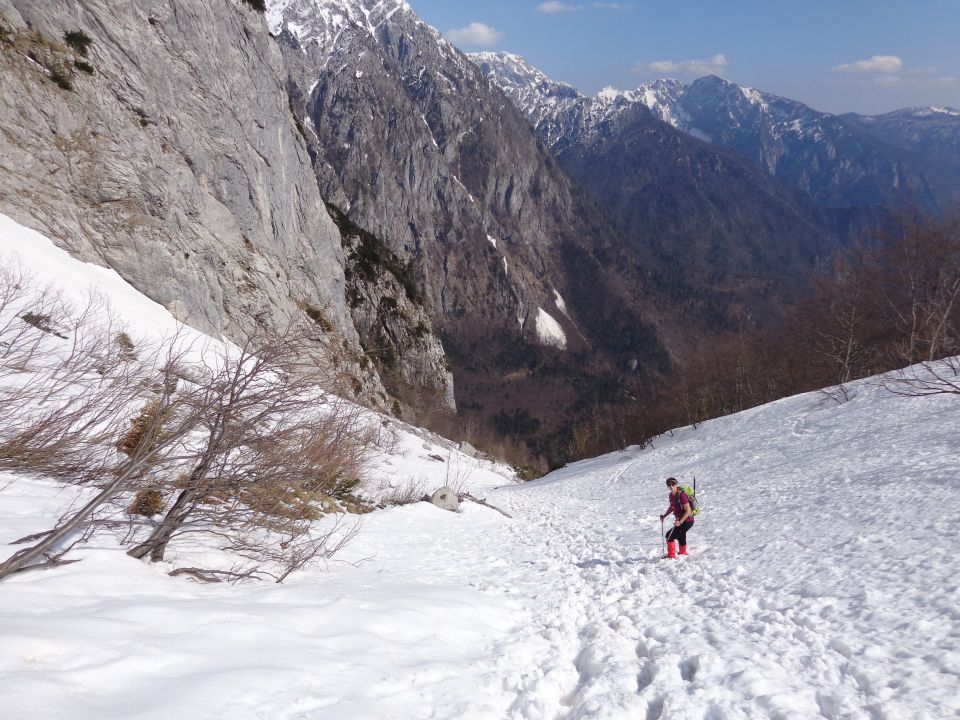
pixel 166 149
pixel 176 161
pixel 516 269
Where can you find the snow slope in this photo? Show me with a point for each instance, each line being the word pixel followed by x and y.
pixel 824 582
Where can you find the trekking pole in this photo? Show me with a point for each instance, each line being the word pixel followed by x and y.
pixel 663 542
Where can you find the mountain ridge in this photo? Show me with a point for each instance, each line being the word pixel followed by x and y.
pixel 785 137
pixel 708 214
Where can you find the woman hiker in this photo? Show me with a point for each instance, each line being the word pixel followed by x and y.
pixel 680 508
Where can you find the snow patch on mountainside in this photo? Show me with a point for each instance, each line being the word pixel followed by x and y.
pixel 561 305
pixel 549 331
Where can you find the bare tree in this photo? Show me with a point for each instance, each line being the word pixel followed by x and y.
pixel 248 438
pixel 839 322
pixel 272 440
pixel 919 260
pixel 67 402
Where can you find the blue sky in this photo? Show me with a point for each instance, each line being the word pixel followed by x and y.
pixel 867 56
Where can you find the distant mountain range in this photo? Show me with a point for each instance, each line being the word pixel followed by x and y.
pixel 901 158
pixel 714 219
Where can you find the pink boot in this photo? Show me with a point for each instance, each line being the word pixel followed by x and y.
pixel 683 549
pixel 671 550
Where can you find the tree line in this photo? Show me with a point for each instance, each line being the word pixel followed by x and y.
pixel 890 301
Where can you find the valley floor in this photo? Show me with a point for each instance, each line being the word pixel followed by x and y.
pixel 824 582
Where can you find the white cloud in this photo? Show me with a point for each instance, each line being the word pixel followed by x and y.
pixel 612 6
pixel 476 34
pixel 557 7
pixel 878 64
pixel 717 65
pixel 890 70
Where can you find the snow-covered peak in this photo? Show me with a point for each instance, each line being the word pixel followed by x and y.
pixel 933 111
pixel 661 98
pixel 532 91
pixel 322 22
pixel 515 75
pixel 509 65
pixel 609 95
pixel 559 112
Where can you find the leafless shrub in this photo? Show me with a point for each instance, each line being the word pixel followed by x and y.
pixel 458 471
pixel 74 436
pixel 272 443
pixel 837 394
pixel 412 491
pixel 929 378
pixel 291 546
pixel 386 439
pixel 248 441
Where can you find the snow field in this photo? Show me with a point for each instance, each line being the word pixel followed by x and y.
pixel 815 588
pixel 824 583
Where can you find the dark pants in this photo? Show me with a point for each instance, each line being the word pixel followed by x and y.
pixel 680 533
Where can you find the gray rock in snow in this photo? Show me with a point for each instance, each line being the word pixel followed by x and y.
pixel 468 450
pixel 446 498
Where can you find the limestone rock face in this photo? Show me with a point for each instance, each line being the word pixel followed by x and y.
pixel 176 161
pixel 522 277
pixel 169 152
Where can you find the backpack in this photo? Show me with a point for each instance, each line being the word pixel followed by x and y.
pixel 691 493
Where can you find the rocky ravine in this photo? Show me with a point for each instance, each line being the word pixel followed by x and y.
pixel 519 271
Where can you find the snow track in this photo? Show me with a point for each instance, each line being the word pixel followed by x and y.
pixel 815 590
pixel 810 593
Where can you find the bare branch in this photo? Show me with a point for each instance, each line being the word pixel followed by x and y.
pixel 483 502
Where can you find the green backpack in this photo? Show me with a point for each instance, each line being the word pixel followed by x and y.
pixel 691 492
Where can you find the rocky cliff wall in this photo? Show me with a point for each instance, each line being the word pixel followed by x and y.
pixel 160 142
pixel 175 160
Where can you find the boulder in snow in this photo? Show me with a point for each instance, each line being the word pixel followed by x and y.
pixel 446 498
pixel 468 450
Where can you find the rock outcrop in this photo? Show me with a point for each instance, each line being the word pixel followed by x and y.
pixel 414 146
pixel 175 160
pixel 396 333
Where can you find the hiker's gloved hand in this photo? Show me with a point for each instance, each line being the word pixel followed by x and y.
pixel 662 517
